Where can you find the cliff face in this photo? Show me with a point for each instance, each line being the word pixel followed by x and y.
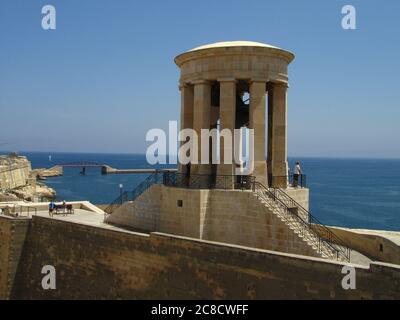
pixel 14 171
pixel 18 179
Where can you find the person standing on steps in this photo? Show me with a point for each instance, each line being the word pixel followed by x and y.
pixel 296 174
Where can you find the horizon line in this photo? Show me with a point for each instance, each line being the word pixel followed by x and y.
pixel 5 152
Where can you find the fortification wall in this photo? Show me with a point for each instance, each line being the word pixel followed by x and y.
pixel 93 262
pixel 12 238
pixel 378 245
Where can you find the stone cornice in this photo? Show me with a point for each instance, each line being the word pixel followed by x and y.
pixel 245 50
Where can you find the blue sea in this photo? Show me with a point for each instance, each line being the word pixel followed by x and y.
pixel 357 193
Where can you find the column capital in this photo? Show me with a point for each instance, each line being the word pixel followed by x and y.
pixel 182 85
pixel 252 80
pixel 227 79
pixel 200 81
pixel 278 84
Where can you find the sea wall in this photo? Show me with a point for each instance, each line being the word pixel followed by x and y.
pixel 98 263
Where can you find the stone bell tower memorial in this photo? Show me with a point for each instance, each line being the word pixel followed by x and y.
pixel 207 230
pixel 237 85
pixel 214 81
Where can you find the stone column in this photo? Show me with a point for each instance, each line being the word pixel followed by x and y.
pixel 201 119
pixel 186 113
pixel 257 123
pixel 277 135
pixel 227 119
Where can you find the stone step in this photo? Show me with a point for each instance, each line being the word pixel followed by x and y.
pixel 300 230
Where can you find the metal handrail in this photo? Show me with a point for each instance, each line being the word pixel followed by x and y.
pixel 135 193
pixel 322 237
pixel 206 181
pixel 174 179
pixel 297 181
pixel 18 210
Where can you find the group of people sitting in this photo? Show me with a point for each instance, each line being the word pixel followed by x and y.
pixel 62 208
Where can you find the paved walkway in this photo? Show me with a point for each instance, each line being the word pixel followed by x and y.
pixel 82 216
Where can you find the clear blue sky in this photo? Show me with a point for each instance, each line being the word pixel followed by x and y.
pixel 106 75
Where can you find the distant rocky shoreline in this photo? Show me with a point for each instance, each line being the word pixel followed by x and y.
pixel 19 182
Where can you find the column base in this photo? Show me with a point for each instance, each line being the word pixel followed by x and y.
pixel 260 172
pixel 279 174
pixel 226 176
pixel 279 182
pixel 204 169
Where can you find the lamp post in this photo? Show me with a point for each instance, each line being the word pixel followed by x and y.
pixel 121 186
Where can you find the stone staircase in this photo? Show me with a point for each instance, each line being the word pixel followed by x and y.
pixel 326 244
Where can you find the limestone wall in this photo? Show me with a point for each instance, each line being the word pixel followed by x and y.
pixel 251 224
pixel 233 216
pixel 12 237
pixel 142 214
pixel 300 195
pixel 96 263
pixel 378 245
pixel 188 219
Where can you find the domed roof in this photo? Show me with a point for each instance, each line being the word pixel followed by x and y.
pixel 226 44
pixel 215 48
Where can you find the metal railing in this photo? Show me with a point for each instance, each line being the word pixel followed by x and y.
pixel 297 180
pixel 181 180
pixel 292 180
pixel 204 181
pixel 306 224
pixel 126 196
pixel 18 210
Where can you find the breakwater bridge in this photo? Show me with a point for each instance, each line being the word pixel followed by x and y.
pixel 105 169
